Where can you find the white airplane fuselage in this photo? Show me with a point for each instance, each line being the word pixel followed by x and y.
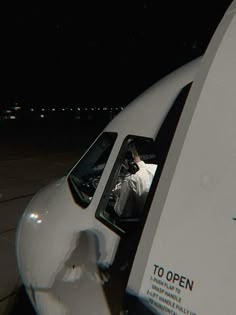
pixel 75 257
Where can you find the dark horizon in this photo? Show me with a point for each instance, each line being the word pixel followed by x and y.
pixel 95 55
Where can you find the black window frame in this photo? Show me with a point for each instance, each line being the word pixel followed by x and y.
pixel 76 194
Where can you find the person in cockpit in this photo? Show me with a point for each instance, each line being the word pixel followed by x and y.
pixel 132 191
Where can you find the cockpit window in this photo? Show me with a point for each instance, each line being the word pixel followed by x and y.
pixel 122 206
pixel 126 199
pixel 84 178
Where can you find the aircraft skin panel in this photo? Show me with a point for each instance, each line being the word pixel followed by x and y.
pixel 151 107
pixel 53 223
pixel 53 236
pixel 191 265
pixel 165 180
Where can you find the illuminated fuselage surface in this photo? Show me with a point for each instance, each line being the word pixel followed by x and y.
pixel 190 267
pixel 60 241
pixel 76 256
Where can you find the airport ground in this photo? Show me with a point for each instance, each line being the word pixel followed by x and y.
pixel 31 155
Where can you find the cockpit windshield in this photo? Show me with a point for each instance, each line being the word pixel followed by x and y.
pixel 84 178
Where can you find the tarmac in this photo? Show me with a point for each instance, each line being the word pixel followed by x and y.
pixel 30 157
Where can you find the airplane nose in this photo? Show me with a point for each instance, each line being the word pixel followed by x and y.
pixel 57 259
pixel 59 286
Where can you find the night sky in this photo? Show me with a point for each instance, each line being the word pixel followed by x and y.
pixel 93 53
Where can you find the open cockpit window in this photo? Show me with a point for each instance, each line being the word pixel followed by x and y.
pixel 127 199
pixel 84 178
pixel 122 205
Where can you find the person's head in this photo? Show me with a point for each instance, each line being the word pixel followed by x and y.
pixel 131 159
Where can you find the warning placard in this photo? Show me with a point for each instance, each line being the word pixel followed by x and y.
pixel 165 289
